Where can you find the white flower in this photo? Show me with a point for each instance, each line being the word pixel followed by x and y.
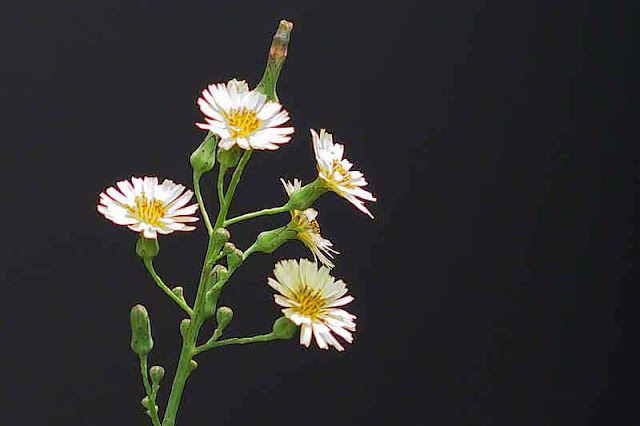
pixel 311 297
pixel 308 228
pixel 242 117
pixel 148 207
pixel 336 171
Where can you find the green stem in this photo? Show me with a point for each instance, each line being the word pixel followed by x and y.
pixel 234 341
pixel 196 187
pixel 225 201
pixel 221 172
pixel 150 394
pixel 263 212
pixel 149 264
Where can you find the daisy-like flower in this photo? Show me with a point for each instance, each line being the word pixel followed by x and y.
pixel 336 171
pixel 145 206
pixel 311 299
pixel 305 223
pixel 242 117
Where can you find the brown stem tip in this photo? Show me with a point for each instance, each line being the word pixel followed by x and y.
pixel 281 40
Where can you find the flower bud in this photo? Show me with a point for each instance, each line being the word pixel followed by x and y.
pixel 220 273
pixel 230 157
pixel 228 248
pixel 141 340
pixel 304 197
pixel 283 328
pixel 210 299
pixel 277 56
pixel 269 241
pixel 234 259
pixel 219 237
pixel 192 366
pixel 147 248
pixel 223 316
pixel 145 402
pixel 157 373
pixel 179 291
pixel 204 157
pixel 184 327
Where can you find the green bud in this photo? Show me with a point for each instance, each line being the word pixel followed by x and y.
pixel 234 259
pixel 230 157
pixel 269 241
pixel 277 56
pixel 157 373
pixel 141 341
pixel 184 327
pixel 219 237
pixel 145 402
pixel 147 248
pixel 149 412
pixel 192 366
pixel 283 328
pixel 178 291
pixel 204 157
pixel 223 316
pixel 210 299
pixel 304 197
pixel 220 273
pixel 228 248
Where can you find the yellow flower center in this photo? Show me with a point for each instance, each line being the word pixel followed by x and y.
pixel 345 177
pixel 242 121
pixel 315 226
pixel 148 211
pixel 311 302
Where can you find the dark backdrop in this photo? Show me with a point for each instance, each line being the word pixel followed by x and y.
pixel 488 288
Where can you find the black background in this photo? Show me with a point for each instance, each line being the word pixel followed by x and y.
pixel 488 288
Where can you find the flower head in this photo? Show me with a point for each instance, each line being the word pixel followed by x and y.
pixel 336 172
pixel 308 229
pixel 145 206
pixel 311 299
pixel 242 117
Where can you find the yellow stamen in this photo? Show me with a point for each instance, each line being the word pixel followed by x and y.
pixel 345 177
pixel 315 226
pixel 311 302
pixel 242 121
pixel 148 211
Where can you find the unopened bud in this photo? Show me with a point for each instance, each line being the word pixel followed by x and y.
pixel 275 61
pixel 184 327
pixel 147 248
pixel 228 248
pixel 220 273
pixel 141 340
pixel 157 373
pixel 192 366
pixel 304 197
pixel 283 328
pixel 269 241
pixel 210 299
pixel 224 316
pixel 178 291
pixel 219 237
pixel 145 402
pixel 234 259
pixel 204 157
pixel 230 157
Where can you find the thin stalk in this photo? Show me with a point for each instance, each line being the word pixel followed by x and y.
pixel 263 212
pixel 225 201
pixel 147 387
pixel 235 341
pixel 203 210
pixel 149 264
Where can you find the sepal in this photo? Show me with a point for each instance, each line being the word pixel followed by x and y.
pixel 141 340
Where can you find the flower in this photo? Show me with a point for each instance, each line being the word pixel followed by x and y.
pixel 308 229
pixel 242 117
pixel 311 297
pixel 148 207
pixel 336 172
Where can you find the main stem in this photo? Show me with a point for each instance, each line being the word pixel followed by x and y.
pixel 275 61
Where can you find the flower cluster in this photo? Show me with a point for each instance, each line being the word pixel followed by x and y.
pixel 243 119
